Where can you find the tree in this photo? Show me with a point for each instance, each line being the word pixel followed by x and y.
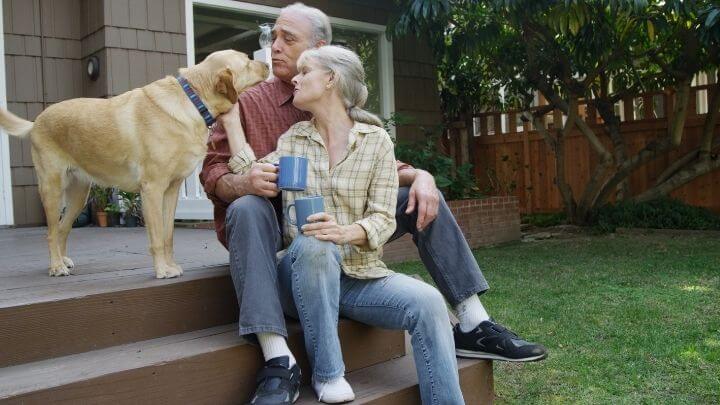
pixel 599 51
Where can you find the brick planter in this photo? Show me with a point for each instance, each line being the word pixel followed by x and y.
pixel 484 222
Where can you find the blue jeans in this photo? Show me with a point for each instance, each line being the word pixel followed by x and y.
pixel 254 235
pixel 314 290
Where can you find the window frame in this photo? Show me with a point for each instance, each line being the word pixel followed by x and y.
pixel 385 51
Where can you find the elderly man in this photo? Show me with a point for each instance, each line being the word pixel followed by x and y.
pixel 247 215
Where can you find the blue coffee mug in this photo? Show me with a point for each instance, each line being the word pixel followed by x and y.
pixel 293 173
pixel 304 207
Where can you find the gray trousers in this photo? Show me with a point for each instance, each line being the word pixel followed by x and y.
pixel 254 237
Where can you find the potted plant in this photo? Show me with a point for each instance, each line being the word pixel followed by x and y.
pixel 113 214
pixel 100 197
pixel 132 204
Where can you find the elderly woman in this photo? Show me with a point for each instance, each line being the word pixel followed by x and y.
pixel 332 266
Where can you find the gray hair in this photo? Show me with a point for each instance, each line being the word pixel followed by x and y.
pixel 349 78
pixel 322 31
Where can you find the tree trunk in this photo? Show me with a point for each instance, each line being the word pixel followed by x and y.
pixel 676 125
pixel 711 120
pixel 612 126
pixel 655 149
pixel 557 145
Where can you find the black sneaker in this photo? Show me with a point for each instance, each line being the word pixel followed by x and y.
pixel 493 341
pixel 277 383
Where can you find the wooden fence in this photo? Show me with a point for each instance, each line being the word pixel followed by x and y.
pixel 511 158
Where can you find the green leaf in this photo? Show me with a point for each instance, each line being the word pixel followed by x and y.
pixel 710 21
pixel 574 26
pixel 416 8
pixel 651 30
pixel 442 181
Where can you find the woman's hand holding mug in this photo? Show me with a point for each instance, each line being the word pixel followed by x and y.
pixel 323 226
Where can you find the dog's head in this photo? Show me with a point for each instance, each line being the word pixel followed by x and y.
pixel 226 74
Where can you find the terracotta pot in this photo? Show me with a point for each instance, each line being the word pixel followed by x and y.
pixel 102 219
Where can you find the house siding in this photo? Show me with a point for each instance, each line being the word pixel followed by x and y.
pixel 25 69
pixel 137 42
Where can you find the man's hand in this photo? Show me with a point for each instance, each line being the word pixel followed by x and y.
pixel 425 195
pixel 260 180
pixel 324 227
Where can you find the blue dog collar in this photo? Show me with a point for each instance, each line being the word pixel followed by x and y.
pixel 202 109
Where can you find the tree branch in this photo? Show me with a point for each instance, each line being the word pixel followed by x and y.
pixel 581 124
pixel 540 127
pixel 711 120
pixel 572 115
pixel 679 114
pixel 680 178
pixel 649 152
pixel 675 167
pixel 558 148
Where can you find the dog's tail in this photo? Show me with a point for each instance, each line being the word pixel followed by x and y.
pixel 14 125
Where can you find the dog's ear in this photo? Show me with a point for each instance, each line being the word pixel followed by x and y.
pixel 224 85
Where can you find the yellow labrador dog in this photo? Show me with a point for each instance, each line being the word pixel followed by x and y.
pixel 147 140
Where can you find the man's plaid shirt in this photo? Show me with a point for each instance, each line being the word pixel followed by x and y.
pixel 362 188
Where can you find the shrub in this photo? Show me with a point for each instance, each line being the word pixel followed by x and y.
pixel 545 219
pixel 456 183
pixel 663 213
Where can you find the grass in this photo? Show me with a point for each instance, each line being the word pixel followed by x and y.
pixel 626 318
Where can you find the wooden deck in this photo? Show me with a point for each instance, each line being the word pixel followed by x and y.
pixel 112 333
pixel 106 259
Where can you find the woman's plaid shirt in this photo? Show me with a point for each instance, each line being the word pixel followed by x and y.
pixel 360 189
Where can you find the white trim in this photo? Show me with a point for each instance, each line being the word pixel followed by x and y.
pixel 192 201
pixel 189 33
pixel 273 12
pixel 387 79
pixel 6 200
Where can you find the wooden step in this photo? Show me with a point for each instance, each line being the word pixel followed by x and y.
pixel 113 299
pixel 111 313
pixel 211 366
pixel 395 383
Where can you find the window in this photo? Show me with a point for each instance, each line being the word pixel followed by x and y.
pixel 224 25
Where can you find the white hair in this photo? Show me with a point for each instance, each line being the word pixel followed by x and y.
pixel 322 31
pixel 349 78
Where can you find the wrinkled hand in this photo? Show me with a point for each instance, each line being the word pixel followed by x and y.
pixel 324 227
pixel 425 195
pixel 261 180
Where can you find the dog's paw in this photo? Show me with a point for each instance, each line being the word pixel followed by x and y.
pixel 68 262
pixel 167 271
pixel 59 270
pixel 178 268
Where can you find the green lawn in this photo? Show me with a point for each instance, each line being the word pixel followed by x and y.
pixel 626 318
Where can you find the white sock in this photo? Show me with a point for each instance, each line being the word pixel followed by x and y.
pixel 471 313
pixel 334 391
pixel 274 345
